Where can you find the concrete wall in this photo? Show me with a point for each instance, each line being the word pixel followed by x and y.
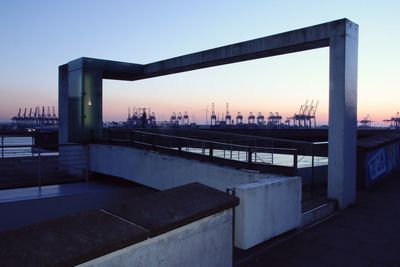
pixel 73 159
pixel 269 204
pixel 316 176
pixel 163 171
pixel 268 207
pixel 207 242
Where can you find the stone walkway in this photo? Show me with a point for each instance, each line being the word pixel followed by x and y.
pixel 365 234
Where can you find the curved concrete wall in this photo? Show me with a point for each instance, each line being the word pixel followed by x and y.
pixel 269 204
pixel 162 171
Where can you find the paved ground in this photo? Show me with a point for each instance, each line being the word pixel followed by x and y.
pixel 365 234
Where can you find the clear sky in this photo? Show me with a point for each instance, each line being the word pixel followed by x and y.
pixel 38 36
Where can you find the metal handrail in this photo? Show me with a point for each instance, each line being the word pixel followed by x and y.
pixel 215 142
pixel 191 145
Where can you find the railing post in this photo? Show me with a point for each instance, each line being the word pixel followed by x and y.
pixel 132 137
pixel 39 169
pixel 153 142
pixel 109 133
pixel 32 146
pixel 272 153
pixel 312 168
pixel 249 155
pixel 2 147
pixel 87 164
pixel 211 150
pixel 295 161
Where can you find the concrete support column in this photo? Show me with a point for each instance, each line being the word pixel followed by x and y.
pixel 343 115
pixel 84 104
pixel 63 104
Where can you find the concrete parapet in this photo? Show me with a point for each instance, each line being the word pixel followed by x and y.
pixel 207 242
pixel 268 208
pixel 163 171
pixel 189 225
pixel 73 159
pixel 270 204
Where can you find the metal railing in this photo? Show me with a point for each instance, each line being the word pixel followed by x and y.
pixel 314 169
pixel 261 158
pixel 306 159
pixel 25 165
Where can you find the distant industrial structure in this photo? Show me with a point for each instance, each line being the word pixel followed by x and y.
pixel 140 118
pixel 366 122
pixel 179 120
pixel 143 117
pixel 37 118
pixel 306 118
pixel 394 121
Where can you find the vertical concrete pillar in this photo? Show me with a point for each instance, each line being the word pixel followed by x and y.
pixel 343 114
pixel 63 104
pixel 84 104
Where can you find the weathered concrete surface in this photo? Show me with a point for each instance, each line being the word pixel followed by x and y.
pixel 67 241
pixel 343 60
pixel 163 171
pixel 318 213
pixel 263 214
pixel 365 234
pixel 63 126
pixel 267 208
pixel 193 218
pixel 207 242
pixel 173 208
pixel 73 160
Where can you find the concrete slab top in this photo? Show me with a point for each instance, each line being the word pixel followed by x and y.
pixel 83 236
pixel 68 240
pixel 268 181
pixel 163 211
pixel 378 140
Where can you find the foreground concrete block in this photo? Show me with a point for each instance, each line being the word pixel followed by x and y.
pixel 268 207
pixel 189 225
pixel 206 242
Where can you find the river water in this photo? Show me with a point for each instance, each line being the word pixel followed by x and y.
pixel 19 146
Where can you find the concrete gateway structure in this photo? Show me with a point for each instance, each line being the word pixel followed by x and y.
pixel 80 118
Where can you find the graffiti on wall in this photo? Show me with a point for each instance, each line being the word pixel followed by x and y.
pixel 382 161
pixel 377 164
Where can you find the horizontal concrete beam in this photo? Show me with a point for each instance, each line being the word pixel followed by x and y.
pixel 288 42
pixel 113 70
pixel 283 43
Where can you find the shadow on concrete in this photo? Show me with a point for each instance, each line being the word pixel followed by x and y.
pixel 365 234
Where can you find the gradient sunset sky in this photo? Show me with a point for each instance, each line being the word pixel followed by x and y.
pixel 38 36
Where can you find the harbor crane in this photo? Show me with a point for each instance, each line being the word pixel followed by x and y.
pixel 394 121
pixel 213 119
pixel 366 122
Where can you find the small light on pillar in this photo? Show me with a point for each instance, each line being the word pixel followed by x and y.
pixel 90 103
